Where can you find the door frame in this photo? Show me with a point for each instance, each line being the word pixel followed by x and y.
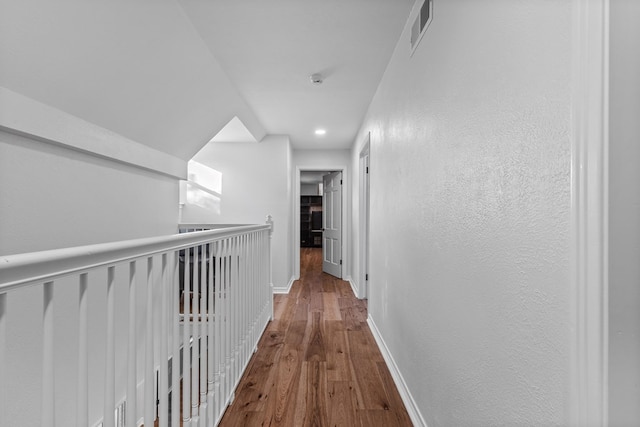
pixel 346 235
pixel 588 398
pixel 363 212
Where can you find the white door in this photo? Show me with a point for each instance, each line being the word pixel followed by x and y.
pixel 332 224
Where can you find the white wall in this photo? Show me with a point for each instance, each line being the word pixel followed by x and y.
pixel 255 183
pixel 53 197
pixel 313 159
pixel 470 198
pixel 624 215
pixel 322 160
pixel 309 190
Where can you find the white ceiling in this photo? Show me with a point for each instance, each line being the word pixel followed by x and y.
pixel 171 74
pixel 269 49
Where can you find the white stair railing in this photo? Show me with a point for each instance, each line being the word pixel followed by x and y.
pixel 207 299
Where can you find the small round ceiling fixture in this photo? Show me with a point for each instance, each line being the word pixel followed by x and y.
pixel 320 132
pixel 316 78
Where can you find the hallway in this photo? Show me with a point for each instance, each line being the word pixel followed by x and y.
pixel 317 364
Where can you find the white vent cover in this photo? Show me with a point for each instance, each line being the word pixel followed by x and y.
pixel 419 27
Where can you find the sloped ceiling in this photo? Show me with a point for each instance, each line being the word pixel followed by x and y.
pixel 170 74
pixel 138 68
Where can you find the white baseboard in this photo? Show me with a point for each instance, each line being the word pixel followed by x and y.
pixel 354 286
pixel 286 289
pixel 405 394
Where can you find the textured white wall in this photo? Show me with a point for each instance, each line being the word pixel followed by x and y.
pixel 624 215
pixel 470 198
pixel 255 183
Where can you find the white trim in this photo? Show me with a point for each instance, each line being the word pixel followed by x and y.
pixel 588 404
pixel 364 204
pixel 354 287
pixel 409 402
pixel 286 289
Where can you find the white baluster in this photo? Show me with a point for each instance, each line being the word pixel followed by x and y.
pixel 3 360
pixel 48 382
pixel 241 307
pixel 186 345
pixel 163 417
pixel 234 312
pixel 149 375
pixel 255 290
pixel 255 296
pixel 110 359
pixel 82 401
pixel 202 332
pixel 240 315
pixel 195 362
pixel 248 312
pixel 175 344
pixel 257 284
pixel 210 336
pixel 252 295
pixel 248 317
pixel 270 260
pixel 132 373
pixel 226 334
pixel 218 343
pixel 248 299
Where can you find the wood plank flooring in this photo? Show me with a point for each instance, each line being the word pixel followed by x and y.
pixel 317 364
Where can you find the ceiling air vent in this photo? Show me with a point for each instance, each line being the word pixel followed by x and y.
pixel 421 23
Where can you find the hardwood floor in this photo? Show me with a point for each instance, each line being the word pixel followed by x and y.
pixel 317 363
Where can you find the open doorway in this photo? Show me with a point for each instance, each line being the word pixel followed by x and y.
pixel 320 217
pixel 311 209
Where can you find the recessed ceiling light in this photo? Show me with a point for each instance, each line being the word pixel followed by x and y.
pixel 320 131
pixel 316 78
